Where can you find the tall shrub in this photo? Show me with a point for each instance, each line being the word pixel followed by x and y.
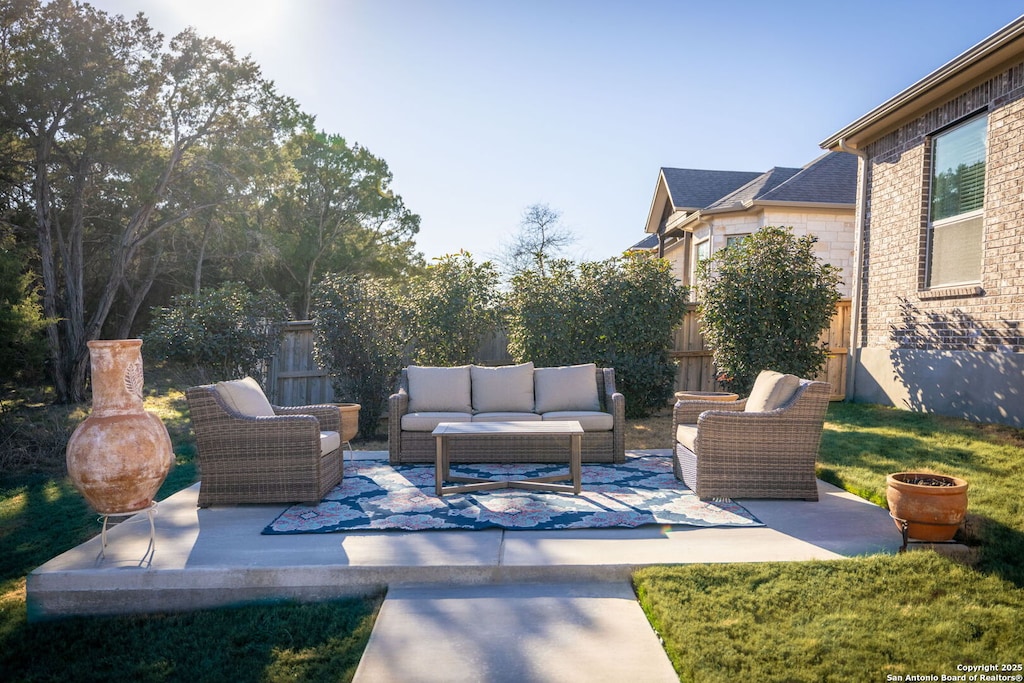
pixel 226 332
pixel 763 304
pixel 453 306
pixel 360 338
pixel 617 313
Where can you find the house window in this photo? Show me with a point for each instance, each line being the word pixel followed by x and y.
pixel 956 204
pixel 735 239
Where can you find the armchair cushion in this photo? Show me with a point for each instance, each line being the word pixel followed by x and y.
pixel 503 389
pixel 434 389
pixel 245 397
pixel 771 390
pixel 566 388
pixel 687 436
pixel 329 441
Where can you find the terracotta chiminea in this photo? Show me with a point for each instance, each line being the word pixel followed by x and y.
pixel 120 455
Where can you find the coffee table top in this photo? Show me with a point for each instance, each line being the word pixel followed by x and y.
pixel 537 427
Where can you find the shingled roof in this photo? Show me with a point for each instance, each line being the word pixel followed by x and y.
pixel 694 189
pixel 829 179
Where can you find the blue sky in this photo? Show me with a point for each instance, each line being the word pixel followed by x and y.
pixel 482 108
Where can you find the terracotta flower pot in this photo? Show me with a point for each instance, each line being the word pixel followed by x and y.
pixel 933 505
pixel 120 455
pixel 349 420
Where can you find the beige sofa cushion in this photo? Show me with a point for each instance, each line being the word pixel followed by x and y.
pixel 507 416
pixel 329 441
pixel 507 388
pixel 566 388
pixel 433 390
pixel 771 390
pixel 427 422
pixel 246 397
pixel 590 420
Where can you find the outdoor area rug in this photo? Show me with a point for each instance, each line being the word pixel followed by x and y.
pixel 375 495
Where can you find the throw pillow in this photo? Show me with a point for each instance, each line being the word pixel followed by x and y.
pixel 246 397
pixel 439 390
pixel 507 388
pixel 566 388
pixel 771 390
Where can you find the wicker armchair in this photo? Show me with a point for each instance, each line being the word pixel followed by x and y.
pixel 723 450
pixel 292 456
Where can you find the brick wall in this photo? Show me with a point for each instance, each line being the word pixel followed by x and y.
pixel 897 310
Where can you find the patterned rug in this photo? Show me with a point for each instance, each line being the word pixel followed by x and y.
pixel 377 496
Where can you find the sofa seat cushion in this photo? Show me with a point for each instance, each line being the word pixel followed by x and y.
pixel 439 390
pixel 590 420
pixel 428 421
pixel 245 396
pixel 506 388
pixel 771 390
pixel 686 435
pixel 506 417
pixel 329 441
pixel 566 388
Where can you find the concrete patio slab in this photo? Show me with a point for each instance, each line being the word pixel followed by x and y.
pixel 515 633
pixel 217 556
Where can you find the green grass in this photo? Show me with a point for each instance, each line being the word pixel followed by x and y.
pixel 867 618
pixel 843 620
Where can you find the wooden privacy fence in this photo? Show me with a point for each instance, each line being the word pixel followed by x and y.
pixel 696 370
pixel 295 379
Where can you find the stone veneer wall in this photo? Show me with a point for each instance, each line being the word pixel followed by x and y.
pixel 916 345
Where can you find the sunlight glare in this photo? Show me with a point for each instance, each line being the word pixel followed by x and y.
pixel 228 20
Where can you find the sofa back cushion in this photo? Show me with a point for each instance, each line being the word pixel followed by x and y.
pixel 566 388
pixel 245 396
pixel 433 389
pixel 771 390
pixel 508 388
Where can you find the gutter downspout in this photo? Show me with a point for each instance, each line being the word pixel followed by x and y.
pixel 860 215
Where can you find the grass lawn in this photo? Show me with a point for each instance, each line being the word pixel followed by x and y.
pixel 851 620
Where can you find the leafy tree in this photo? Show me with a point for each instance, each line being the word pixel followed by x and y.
pixel 763 304
pixel 226 333
pixel 617 313
pixel 360 339
pixel 454 304
pixel 335 214
pixel 116 132
pixel 22 347
pixel 541 238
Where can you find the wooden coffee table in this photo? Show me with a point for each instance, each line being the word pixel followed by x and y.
pixel 446 431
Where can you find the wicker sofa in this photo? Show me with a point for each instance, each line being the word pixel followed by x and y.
pixel 428 396
pixel 253 452
pixel 762 446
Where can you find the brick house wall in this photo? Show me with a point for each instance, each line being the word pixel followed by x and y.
pixel 959 350
pixel 898 311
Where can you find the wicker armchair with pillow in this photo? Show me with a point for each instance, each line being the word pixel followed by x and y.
pixel 253 452
pixel 763 446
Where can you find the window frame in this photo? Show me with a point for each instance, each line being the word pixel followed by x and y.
pixel 929 226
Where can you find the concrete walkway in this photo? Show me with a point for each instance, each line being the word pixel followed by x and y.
pixel 486 605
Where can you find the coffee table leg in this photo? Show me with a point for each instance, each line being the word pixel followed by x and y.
pixel 575 461
pixel 440 471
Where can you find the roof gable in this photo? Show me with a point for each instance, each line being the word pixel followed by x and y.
pixel 695 189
